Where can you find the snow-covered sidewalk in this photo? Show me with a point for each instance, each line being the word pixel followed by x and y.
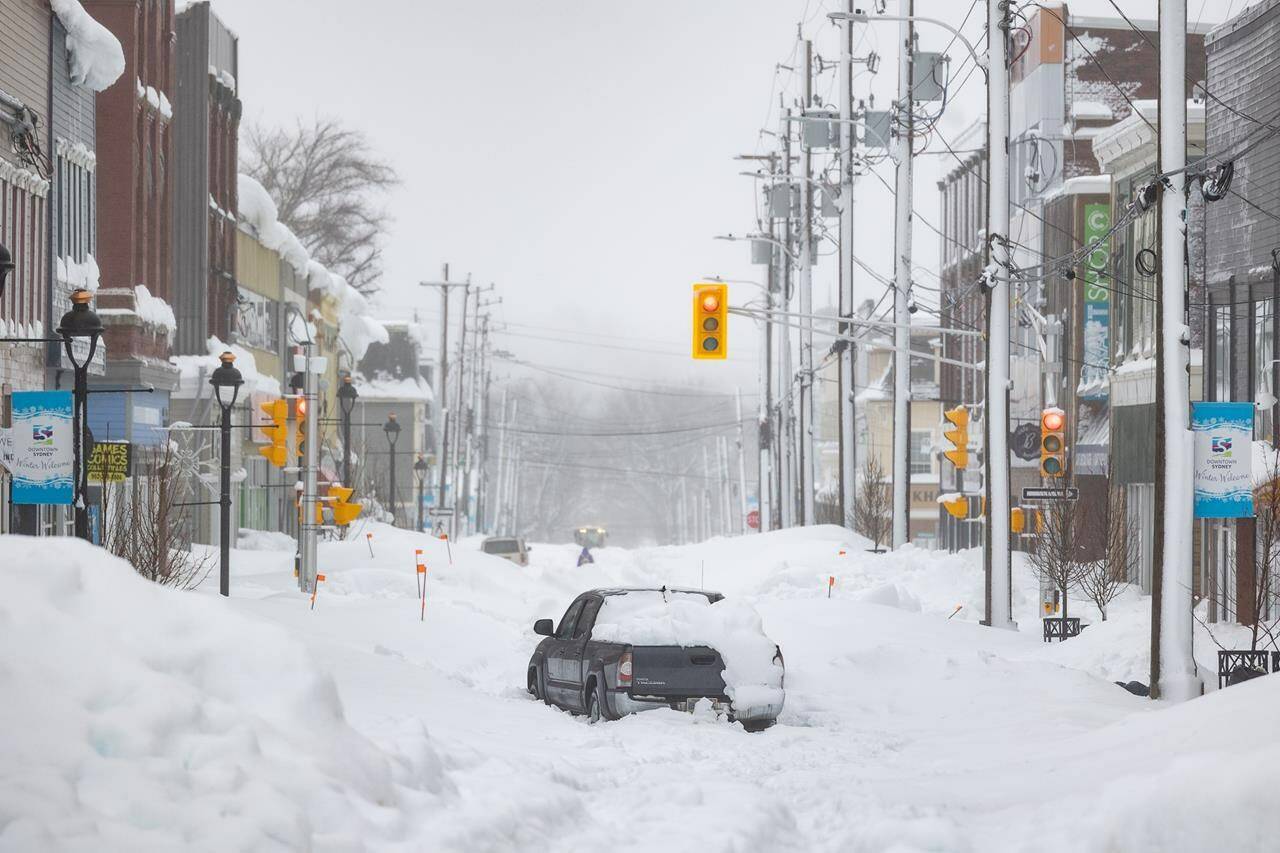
pixel 136 717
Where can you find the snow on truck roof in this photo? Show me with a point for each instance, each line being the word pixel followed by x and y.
pixel 623 590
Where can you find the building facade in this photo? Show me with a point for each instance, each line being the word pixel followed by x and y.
pixel 206 129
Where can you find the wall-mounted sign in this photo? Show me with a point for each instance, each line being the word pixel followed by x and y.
pixel 1097 302
pixel 1223 459
pixel 111 462
pixel 41 436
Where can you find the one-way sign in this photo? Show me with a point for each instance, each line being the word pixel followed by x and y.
pixel 1050 493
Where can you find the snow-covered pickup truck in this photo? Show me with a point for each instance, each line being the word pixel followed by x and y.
pixel 619 651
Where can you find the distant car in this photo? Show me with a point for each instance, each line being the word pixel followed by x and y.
pixel 590 537
pixel 606 679
pixel 508 548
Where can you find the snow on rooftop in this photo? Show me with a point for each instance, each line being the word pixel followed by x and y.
pixel 413 388
pixel 1090 110
pixel 97 59
pixel 194 371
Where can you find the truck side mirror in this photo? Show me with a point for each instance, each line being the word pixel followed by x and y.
pixel 544 627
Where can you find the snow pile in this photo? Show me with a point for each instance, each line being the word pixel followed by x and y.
pixel 358 329
pixel 733 628
pixel 387 388
pixel 258 210
pixel 78 275
pixel 97 59
pixel 153 310
pixel 194 371
pixel 137 717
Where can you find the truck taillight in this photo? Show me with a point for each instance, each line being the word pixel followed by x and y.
pixel 624 669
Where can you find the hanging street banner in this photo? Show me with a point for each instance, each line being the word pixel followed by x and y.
pixel 110 462
pixel 43 464
pixel 1223 459
pixel 1097 303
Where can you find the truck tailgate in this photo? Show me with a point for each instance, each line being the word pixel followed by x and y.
pixel 676 671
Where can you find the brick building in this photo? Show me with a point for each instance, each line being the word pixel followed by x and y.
pixel 135 215
pixel 206 129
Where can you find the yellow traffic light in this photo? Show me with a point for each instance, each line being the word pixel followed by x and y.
pixel 277 432
pixel 1017 520
pixel 344 512
pixel 958 435
pixel 958 506
pixel 710 321
pixel 1053 443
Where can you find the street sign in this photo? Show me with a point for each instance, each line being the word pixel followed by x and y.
pixel 1025 442
pixel 111 462
pixel 440 511
pixel 1050 493
pixel 753 519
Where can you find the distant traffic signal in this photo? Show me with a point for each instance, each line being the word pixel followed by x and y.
pixel 344 512
pixel 710 320
pixel 1053 443
pixel 958 435
pixel 276 432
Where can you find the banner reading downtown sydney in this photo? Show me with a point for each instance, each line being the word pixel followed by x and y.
pixel 42 462
pixel 1223 459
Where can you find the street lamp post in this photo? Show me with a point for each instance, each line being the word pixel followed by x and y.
pixel 226 381
pixel 81 322
pixel 420 471
pixel 392 430
pixel 347 400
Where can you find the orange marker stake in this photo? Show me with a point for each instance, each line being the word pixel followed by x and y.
pixel 447 544
pixel 831 581
pixel 422 585
pixel 368 540
pixel 417 561
pixel 319 579
pixel 959 607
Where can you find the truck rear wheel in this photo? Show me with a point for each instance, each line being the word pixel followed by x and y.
pixel 597 710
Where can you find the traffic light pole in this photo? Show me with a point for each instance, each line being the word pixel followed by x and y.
pixel 902 189
pixel 786 376
pixel 996 552
pixel 310 500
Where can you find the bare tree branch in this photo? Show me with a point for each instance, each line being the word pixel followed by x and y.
pixel 327 184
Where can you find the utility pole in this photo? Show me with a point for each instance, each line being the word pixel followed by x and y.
pixel 786 376
pixel 726 487
pixel 742 469
pixel 502 468
pixel 902 189
pixel 442 385
pixel 808 468
pixel 1173 668
pixel 459 414
pixel 848 432
pixel 310 500
pixel 996 552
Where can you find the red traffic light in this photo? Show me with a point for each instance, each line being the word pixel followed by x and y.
pixel 710 303
pixel 1052 421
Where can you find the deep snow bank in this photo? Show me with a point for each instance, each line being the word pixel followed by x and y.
pixel 135 716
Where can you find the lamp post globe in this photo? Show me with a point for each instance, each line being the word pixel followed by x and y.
pixel 226 380
pixel 6 266
pixel 79 324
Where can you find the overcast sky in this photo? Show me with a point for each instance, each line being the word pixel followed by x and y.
pixel 579 153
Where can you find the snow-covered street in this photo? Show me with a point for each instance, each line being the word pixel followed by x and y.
pixel 145 718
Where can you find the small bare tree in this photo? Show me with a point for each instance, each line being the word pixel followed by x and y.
pixel 327 184
pixel 1262 612
pixel 872 514
pixel 1103 579
pixel 144 523
pixel 1057 555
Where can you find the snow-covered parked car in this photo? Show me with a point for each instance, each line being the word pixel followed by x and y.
pixel 619 651
pixel 508 548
